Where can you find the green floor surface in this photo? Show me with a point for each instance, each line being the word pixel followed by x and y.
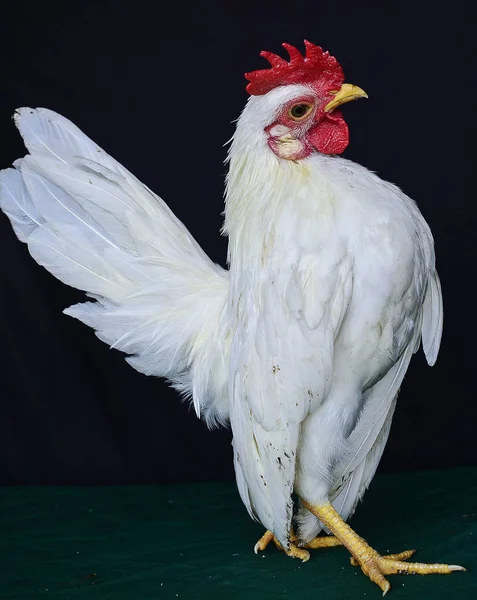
pixel 195 541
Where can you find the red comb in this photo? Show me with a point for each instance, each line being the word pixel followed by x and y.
pixel 300 69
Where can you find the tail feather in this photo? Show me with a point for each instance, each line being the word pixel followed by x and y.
pixel 48 135
pixel 93 225
pixel 17 204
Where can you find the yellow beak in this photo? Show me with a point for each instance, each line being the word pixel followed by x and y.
pixel 347 93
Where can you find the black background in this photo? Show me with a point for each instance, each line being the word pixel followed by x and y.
pixel 158 86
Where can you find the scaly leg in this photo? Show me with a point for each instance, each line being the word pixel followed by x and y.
pixel 297 551
pixel 373 564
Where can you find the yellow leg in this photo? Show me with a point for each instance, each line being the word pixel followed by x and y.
pixel 297 551
pixel 373 564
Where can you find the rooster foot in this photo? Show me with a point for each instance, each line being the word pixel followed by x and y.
pixel 294 551
pixel 297 550
pixel 376 566
pixel 373 564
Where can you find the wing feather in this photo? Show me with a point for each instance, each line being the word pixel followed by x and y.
pixel 281 363
pixel 432 319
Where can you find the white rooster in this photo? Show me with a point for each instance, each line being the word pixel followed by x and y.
pixel 303 344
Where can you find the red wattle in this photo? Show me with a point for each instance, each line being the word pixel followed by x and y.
pixel 330 135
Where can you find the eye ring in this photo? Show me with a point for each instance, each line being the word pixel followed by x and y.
pixel 299 112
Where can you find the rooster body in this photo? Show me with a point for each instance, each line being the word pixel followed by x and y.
pixel 329 271
pixel 303 344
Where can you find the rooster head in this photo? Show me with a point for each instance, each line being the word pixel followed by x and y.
pixel 300 98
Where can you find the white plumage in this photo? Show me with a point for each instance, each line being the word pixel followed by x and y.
pixel 96 227
pixel 302 345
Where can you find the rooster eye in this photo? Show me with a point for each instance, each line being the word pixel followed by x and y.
pixel 299 111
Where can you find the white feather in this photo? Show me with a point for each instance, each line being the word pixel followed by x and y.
pixel 433 319
pixel 16 203
pixel 96 227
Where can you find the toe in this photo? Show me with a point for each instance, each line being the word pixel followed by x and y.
pixel 263 542
pixel 326 541
pixel 300 553
pixel 392 567
pixel 401 555
pixel 377 577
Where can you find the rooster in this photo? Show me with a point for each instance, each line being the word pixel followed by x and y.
pixel 303 343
